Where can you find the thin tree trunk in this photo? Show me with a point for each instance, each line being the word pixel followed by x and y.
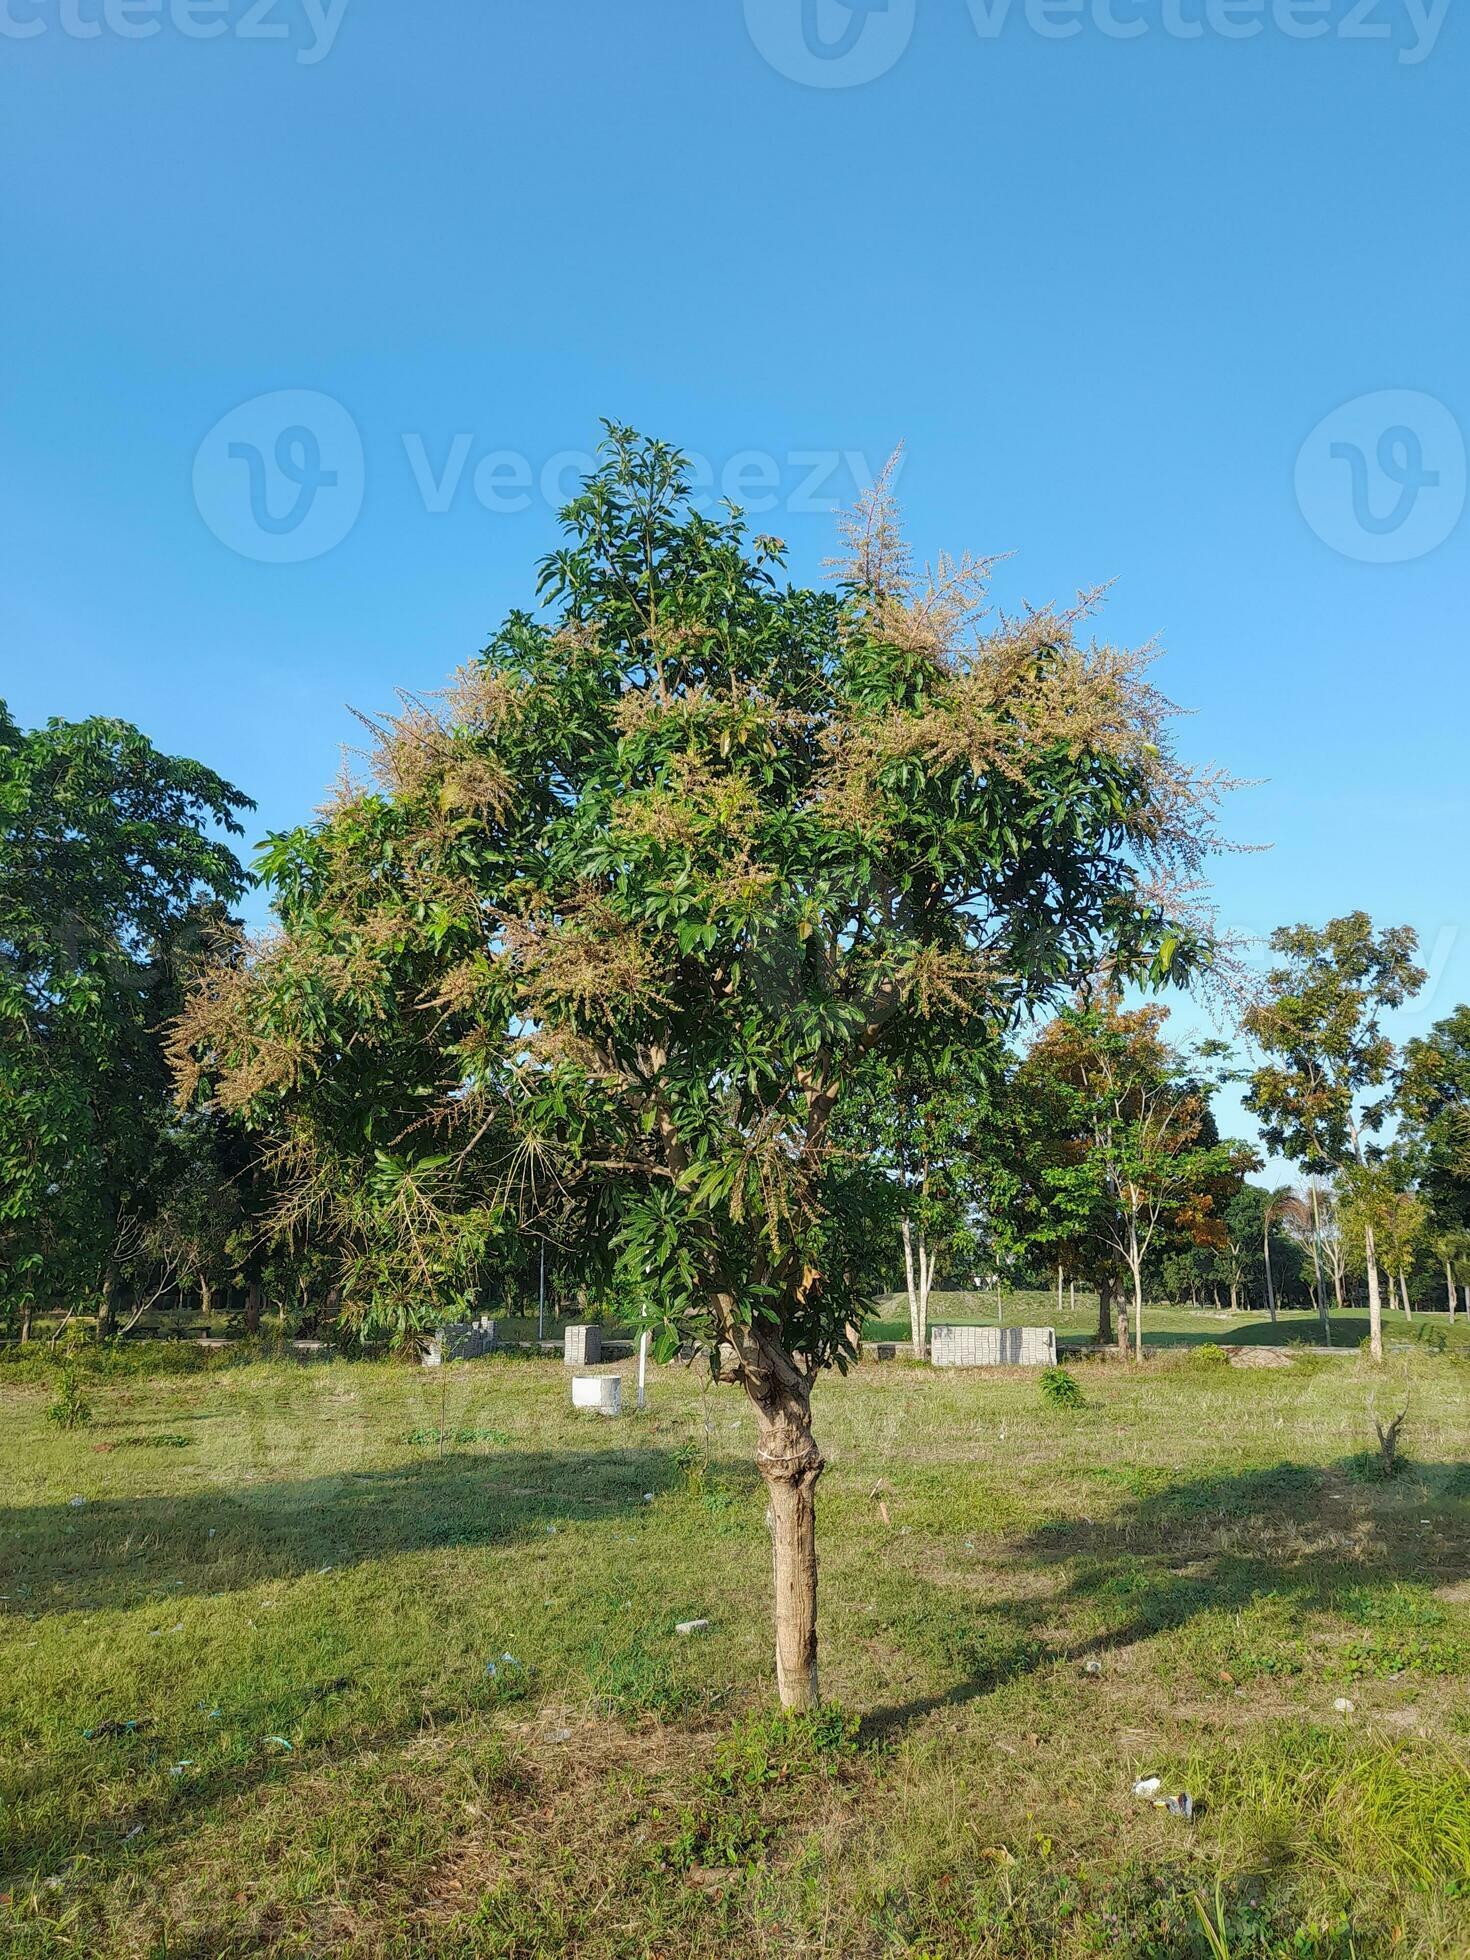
pixel 1449 1287
pixel 107 1311
pixel 1135 1260
pixel 25 1321
pixel 1059 1292
pixel 1404 1295
pixel 1270 1282
pixel 927 1261
pixel 1375 1303
pixel 1072 1294
pixel 790 1463
pixel 1234 1296
pixel 1105 1312
pixel 1319 1296
pixel 908 1273
pixel 65 1323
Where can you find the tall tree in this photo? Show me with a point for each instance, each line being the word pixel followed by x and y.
pixel 669 863
pixel 113 869
pixel 1127 1152
pixel 1320 1090
pixel 1433 1103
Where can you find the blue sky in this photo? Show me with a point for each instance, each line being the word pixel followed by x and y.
pixel 1108 291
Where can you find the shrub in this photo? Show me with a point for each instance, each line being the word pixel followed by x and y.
pixel 71 1409
pixel 1060 1390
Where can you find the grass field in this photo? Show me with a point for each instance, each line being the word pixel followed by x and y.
pixel 399 1647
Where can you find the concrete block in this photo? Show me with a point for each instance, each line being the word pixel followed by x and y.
pixel 582 1346
pixel 463 1340
pixel 604 1393
pixel 993 1347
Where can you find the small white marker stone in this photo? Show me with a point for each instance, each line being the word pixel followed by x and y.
pixel 692 1626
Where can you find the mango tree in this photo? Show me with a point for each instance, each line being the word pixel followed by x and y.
pixel 621 918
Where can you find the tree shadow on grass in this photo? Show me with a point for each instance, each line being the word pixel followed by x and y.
pixel 120 1552
pixel 1297 1534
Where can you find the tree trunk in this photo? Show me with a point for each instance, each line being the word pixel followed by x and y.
pixel 1449 1287
pixel 1059 1292
pixel 1319 1295
pixel 1404 1295
pixel 252 1307
pixel 790 1462
pixel 906 1232
pixel 107 1311
pixel 25 1321
pixel 1105 1312
pixel 1135 1261
pixel 1270 1282
pixel 927 1261
pixel 1375 1303
pixel 1234 1296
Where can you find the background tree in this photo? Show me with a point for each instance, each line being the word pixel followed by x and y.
pixel 1319 1027
pixel 1432 1099
pixel 927 1124
pixel 637 902
pixel 1451 1248
pixel 112 872
pixel 1257 1249
pixel 1128 1152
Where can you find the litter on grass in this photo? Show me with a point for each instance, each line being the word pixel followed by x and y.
pixel 1148 1786
pixel 692 1626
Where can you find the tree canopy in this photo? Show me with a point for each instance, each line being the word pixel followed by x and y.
pixel 618 921
pixel 113 870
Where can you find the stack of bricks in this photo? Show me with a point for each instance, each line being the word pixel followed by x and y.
pixel 993 1347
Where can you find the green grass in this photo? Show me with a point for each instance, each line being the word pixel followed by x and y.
pixel 399 1647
